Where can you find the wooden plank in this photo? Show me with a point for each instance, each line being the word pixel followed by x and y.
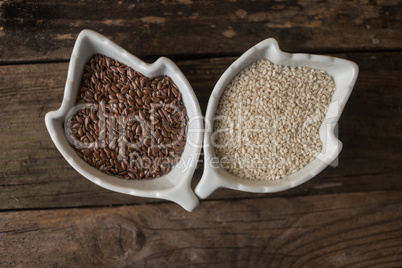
pixel 339 230
pixel 46 30
pixel 33 174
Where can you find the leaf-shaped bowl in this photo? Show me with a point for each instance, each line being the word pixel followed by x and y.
pixel 174 186
pixel 344 74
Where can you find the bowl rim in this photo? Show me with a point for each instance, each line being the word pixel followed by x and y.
pixel 346 75
pixel 171 187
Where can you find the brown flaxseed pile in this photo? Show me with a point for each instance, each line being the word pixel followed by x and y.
pixel 126 124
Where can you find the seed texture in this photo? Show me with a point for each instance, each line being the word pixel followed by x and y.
pixel 268 119
pixel 120 115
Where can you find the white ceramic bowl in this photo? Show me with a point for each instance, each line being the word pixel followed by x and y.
pixel 174 186
pixel 343 72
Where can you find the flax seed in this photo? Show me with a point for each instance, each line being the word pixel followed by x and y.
pixel 133 120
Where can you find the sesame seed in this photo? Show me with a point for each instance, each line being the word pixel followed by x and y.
pixel 269 117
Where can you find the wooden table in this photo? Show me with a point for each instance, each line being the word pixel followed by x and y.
pixel 350 215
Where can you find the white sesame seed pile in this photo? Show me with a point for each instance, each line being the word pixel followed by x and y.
pixel 268 120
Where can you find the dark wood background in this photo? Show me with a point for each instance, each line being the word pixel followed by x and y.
pixel 350 215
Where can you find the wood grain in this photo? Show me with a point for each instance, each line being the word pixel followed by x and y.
pixel 350 215
pixel 356 229
pixel 33 174
pixel 46 30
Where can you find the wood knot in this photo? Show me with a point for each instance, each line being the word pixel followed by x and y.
pixel 118 237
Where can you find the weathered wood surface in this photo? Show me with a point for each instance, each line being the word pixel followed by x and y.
pixel 347 230
pixel 33 174
pixel 46 30
pixel 350 215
